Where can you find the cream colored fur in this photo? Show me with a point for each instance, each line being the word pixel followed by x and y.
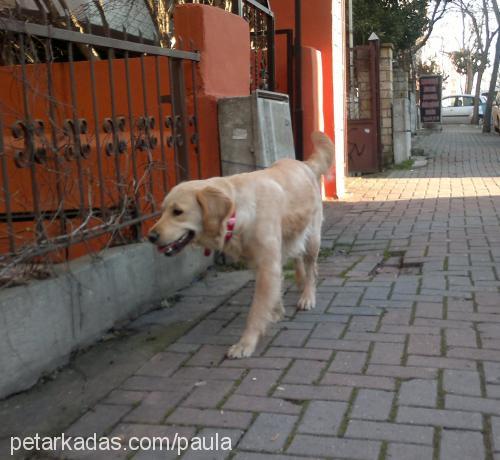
pixel 278 216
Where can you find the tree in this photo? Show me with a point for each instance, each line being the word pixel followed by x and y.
pixel 466 62
pixel 406 24
pixel 494 75
pixel 479 17
pixel 430 67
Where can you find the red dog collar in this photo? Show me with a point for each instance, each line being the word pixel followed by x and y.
pixel 231 223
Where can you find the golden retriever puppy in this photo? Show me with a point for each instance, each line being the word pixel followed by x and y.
pixel 263 217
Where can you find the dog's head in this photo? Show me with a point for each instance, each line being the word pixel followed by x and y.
pixel 192 212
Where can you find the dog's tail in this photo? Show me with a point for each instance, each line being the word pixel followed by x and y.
pixel 324 153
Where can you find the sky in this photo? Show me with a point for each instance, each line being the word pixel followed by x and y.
pixel 447 37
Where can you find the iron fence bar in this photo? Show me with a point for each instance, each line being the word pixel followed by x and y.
pixel 76 124
pixel 39 30
pixel 29 132
pixel 95 111
pixel 53 132
pixel 271 52
pixel 160 115
pixel 179 115
pixel 6 192
pixel 195 120
pixel 146 129
pixel 133 152
pixel 114 126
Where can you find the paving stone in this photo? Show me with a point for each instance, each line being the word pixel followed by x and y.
pixel 304 371
pixel 460 338
pixel 257 363
pixel 208 394
pixel 258 382
pixel 261 404
pixel 268 433
pixel 322 417
pixel 484 405
pixel 417 392
pixel 338 345
pixel 387 353
pixel 348 362
pixel 313 392
pixel 441 363
pixel 436 417
pixel 196 374
pixel 155 406
pixel 363 381
pixel 125 397
pixel 495 428
pixel 375 337
pixel 396 432
pixel 408 452
pixel 162 364
pixel 210 417
pixel 307 445
pixel 97 420
pixel 216 444
pixel 462 382
pixel 424 344
pixel 402 372
pixel 208 355
pixel 461 445
pixel 328 331
pixel 291 338
pixel 316 354
pixel 372 405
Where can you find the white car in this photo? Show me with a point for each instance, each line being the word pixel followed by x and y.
pixel 459 108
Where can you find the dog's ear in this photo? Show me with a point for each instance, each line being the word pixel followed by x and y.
pixel 215 206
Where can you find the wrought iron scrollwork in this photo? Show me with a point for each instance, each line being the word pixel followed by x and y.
pixel 115 127
pixel 74 146
pixel 146 140
pixel 35 149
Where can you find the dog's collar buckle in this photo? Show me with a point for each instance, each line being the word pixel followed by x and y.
pixel 231 223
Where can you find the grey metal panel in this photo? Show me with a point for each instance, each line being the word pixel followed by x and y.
pixel 255 131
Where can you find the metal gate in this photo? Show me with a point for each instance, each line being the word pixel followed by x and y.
pixel 94 131
pixel 363 125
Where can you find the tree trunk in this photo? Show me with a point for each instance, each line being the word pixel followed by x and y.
pixel 493 81
pixel 475 113
pixel 469 78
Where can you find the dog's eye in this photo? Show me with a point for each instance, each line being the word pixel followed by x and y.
pixel 177 212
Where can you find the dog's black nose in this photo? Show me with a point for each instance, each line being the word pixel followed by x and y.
pixel 153 236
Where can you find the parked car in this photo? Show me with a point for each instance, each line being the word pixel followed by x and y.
pixel 459 108
pixel 495 113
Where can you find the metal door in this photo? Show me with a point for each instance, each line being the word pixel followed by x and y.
pixel 363 125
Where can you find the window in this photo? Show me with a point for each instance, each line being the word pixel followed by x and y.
pixel 468 101
pixel 448 102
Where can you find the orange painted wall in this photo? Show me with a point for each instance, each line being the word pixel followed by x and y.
pixel 317 21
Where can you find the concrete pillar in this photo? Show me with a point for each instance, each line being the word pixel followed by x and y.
pixel 401 117
pixel 386 100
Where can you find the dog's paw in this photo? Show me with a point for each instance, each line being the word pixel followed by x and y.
pixel 306 302
pixel 240 350
pixel 278 313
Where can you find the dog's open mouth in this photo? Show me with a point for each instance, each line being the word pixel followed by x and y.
pixel 178 245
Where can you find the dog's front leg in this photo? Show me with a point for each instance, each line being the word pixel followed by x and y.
pixel 267 296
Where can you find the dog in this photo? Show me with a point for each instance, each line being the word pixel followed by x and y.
pixel 263 217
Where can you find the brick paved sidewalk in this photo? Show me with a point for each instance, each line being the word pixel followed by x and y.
pixel 399 360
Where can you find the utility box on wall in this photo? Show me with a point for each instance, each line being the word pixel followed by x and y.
pixel 255 131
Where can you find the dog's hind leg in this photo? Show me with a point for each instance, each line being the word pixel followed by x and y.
pixel 308 298
pixel 267 296
pixel 300 272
